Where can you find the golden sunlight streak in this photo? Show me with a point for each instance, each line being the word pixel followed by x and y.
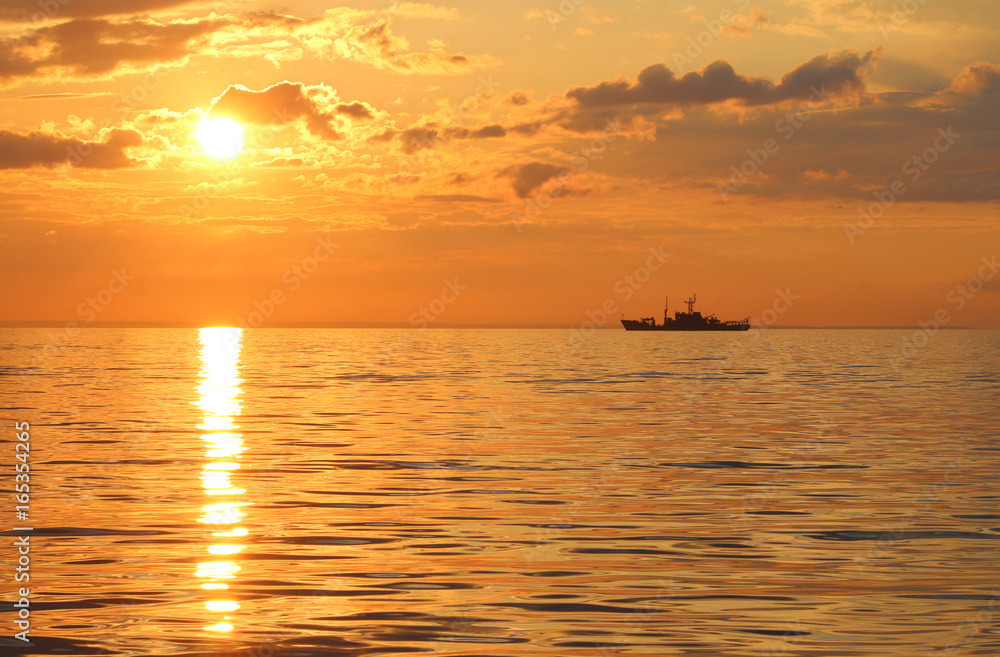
pixel 218 398
pixel 222 139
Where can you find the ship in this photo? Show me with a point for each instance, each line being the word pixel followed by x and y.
pixel 692 320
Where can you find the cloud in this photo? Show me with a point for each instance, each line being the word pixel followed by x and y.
pixel 376 44
pixel 36 149
pixel 386 135
pixel 485 132
pixel 525 178
pixel 417 138
pixel 517 98
pixel 98 48
pixel 979 79
pixel 287 162
pixel 66 95
pixel 91 48
pixel 35 10
pixel 457 198
pixel 281 103
pixel 355 110
pixel 424 10
pixel 593 18
pixel 902 74
pixel 836 74
pixel 743 25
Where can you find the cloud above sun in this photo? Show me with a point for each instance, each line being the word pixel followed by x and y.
pixel 287 101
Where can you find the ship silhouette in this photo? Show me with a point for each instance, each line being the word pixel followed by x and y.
pixel 692 320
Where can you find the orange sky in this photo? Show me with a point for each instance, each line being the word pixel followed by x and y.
pixel 514 162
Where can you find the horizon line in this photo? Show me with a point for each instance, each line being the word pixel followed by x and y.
pixel 401 325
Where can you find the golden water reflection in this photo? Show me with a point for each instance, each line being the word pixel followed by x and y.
pixel 218 398
pixel 477 494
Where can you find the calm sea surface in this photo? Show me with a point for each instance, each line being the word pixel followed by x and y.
pixel 504 492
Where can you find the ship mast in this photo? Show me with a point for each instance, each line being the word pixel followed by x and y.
pixel 666 304
pixel 690 303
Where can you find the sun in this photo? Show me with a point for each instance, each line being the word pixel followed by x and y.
pixel 221 138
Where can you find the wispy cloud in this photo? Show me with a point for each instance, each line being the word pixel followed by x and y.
pixel 102 48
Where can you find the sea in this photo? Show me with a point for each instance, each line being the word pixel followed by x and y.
pixel 498 492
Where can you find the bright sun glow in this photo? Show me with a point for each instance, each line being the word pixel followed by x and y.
pixel 221 138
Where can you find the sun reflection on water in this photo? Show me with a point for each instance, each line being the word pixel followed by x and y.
pixel 219 393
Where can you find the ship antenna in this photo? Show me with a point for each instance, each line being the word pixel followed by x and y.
pixel 690 303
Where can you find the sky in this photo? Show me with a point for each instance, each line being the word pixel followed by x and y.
pixel 801 162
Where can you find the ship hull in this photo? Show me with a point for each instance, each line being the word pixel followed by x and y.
pixel 633 325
